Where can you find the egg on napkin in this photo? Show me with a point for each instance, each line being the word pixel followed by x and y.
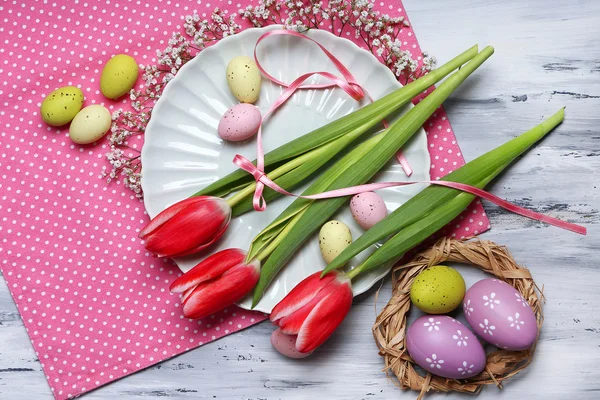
pixel 437 290
pixel 61 106
pixel 244 79
pixel 367 209
pixel 500 315
pixel 445 347
pixel 90 124
pixel 240 122
pixel 118 76
pixel 334 237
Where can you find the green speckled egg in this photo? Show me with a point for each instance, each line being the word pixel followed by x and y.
pixel 118 76
pixel 438 290
pixel 334 237
pixel 61 106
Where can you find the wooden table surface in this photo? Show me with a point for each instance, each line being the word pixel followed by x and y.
pixel 547 56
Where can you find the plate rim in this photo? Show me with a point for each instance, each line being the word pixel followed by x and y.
pixel 248 32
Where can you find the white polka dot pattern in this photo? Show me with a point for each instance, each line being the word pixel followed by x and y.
pixel 95 304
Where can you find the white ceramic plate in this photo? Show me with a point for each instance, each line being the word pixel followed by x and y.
pixel 183 153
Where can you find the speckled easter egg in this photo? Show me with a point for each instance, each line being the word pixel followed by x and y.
pixel 500 315
pixel 445 347
pixel 244 79
pixel 334 237
pixel 286 345
pixel 118 76
pixel 61 106
pixel 240 122
pixel 367 209
pixel 90 124
pixel 437 290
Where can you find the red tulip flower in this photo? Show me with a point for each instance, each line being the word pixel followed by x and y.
pixel 314 309
pixel 187 227
pixel 217 282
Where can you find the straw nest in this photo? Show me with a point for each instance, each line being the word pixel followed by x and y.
pixel 390 327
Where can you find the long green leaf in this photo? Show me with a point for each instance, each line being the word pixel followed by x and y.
pixel 433 196
pixel 360 171
pixel 367 116
pixel 415 233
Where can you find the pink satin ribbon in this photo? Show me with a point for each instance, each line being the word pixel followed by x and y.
pixel 350 86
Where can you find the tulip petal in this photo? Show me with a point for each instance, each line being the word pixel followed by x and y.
pixel 167 214
pixel 301 295
pixel 196 226
pixel 324 319
pixel 185 295
pixel 201 246
pixel 291 324
pixel 212 296
pixel 207 269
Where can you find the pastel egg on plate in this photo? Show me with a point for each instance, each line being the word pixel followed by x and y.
pixel 61 106
pixel 438 290
pixel 500 315
pixel 334 237
pixel 90 124
pixel 240 122
pixel 244 79
pixel 445 347
pixel 286 345
pixel 368 209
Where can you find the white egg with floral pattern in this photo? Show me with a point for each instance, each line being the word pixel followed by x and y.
pixel 500 315
pixel 445 347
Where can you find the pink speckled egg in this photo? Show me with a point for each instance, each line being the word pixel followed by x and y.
pixel 368 209
pixel 239 122
pixel 286 345
pixel 500 315
pixel 445 347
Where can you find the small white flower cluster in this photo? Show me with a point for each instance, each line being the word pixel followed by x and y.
pixel 380 33
pixel 124 160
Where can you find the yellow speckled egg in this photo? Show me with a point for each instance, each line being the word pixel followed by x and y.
pixel 437 290
pixel 118 76
pixel 90 124
pixel 61 106
pixel 334 237
pixel 244 79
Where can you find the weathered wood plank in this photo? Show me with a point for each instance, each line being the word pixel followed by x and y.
pixel 547 56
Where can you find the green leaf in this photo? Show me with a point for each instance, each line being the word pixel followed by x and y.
pixel 416 232
pixel 358 168
pixel 296 171
pixel 371 115
pixel 433 197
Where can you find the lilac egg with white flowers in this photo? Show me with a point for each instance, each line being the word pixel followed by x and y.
pixel 445 347
pixel 500 315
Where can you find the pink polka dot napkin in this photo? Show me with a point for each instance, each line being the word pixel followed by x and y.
pixel 96 305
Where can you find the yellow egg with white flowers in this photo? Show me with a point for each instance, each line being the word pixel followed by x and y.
pixel 118 76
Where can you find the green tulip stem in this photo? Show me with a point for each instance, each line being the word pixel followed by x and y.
pixel 353 272
pixel 266 252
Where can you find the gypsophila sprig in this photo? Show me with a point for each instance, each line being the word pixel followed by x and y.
pixel 380 33
pixel 124 158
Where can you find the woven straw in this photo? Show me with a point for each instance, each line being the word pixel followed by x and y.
pixel 390 327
